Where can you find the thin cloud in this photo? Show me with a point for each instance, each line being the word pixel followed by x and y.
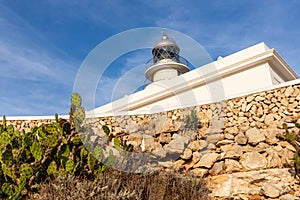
pixel 19 63
pixel 26 55
pixel 35 80
pixel 110 89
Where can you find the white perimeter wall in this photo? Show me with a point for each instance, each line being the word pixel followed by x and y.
pixel 248 80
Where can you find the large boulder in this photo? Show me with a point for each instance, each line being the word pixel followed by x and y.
pixel 165 125
pixel 148 144
pixel 177 145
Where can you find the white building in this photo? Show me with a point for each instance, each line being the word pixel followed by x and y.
pixel 174 86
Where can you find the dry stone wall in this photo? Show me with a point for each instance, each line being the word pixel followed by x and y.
pixel 26 125
pixel 235 146
pixel 232 144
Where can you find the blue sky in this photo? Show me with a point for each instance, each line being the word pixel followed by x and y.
pixel 43 43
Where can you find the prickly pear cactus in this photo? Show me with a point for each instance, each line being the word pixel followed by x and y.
pixel 48 151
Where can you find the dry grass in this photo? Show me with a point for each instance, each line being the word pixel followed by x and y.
pixel 115 185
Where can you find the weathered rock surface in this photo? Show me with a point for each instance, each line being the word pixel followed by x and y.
pixel 217 169
pixel 241 139
pixel 271 182
pixel 164 138
pixel 148 144
pixel 232 166
pixel 165 125
pixel 253 161
pixel 198 172
pixel 131 128
pixel 287 197
pixel 207 160
pixel 197 145
pixel 255 136
pixel 232 151
pixel 187 154
pixel 177 145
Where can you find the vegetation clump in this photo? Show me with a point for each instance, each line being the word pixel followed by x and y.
pixel 116 185
pixel 45 152
pixel 192 121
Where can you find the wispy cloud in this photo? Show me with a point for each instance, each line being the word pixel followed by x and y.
pixel 136 60
pixel 131 78
pixel 35 79
pixel 23 63
pixel 25 54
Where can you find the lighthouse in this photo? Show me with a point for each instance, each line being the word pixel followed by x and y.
pixel 166 62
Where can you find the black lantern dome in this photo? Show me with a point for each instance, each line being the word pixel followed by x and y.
pixel 165 48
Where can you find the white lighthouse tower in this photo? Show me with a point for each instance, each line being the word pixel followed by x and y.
pixel 166 62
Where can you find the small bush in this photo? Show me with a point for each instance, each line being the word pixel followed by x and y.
pixel 192 121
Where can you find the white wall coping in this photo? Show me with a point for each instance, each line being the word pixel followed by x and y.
pixel 31 118
pixel 273 87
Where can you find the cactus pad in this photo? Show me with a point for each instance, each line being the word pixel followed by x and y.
pixel 70 166
pixel 52 141
pixel 110 159
pixel 106 129
pixel 36 151
pixel 76 99
pixel 64 152
pixel 98 153
pixel 42 137
pixel 7 189
pixel 91 161
pixel 7 170
pixel 51 170
pixel 76 140
pixel 10 129
pixel 25 170
pixel 4 139
pixel 83 152
pixel 7 157
pixel 117 143
pixel 79 114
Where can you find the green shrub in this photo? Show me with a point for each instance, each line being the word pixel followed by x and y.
pixel 192 121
